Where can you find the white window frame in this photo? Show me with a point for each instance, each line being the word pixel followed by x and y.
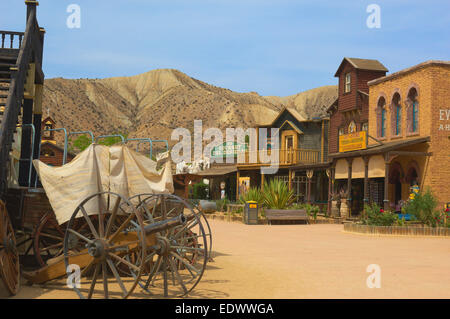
pixel 347 82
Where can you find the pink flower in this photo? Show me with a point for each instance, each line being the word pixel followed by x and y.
pixel 381 210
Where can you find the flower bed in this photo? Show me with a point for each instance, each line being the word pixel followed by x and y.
pixel 397 230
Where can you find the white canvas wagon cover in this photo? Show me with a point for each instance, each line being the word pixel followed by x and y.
pixel 101 168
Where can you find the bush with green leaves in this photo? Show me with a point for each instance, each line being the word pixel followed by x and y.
pixel 376 216
pixel 277 195
pixel 253 194
pixel 423 206
pixel 200 191
pixel 221 204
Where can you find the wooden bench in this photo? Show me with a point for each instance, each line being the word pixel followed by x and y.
pixel 286 215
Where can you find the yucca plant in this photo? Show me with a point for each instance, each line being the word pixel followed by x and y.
pixel 253 194
pixel 277 195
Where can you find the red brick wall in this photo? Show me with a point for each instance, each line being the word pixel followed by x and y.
pixel 53 160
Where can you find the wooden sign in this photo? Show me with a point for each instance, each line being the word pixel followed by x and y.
pixel 353 141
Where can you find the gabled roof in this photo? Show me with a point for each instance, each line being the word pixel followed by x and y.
pixel 292 111
pixel 362 64
pixel 299 131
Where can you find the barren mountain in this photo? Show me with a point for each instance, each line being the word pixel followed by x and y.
pixel 152 104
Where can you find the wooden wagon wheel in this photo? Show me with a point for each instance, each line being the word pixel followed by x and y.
pixel 105 243
pixel 179 260
pixel 48 238
pixel 9 256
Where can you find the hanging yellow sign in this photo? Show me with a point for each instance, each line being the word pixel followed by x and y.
pixel 353 141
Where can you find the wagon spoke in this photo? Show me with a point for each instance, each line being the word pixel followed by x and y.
pixel 124 261
pixel 116 274
pixel 165 277
pixel 89 222
pixel 94 280
pixel 105 279
pixel 188 265
pixel 52 246
pixel 52 236
pixel 124 224
pixel 80 236
pixel 113 217
pixel 174 269
pixel 153 271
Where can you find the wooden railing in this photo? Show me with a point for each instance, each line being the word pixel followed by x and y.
pixel 11 39
pixel 30 50
pixel 285 157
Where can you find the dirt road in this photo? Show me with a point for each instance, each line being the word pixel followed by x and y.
pixel 309 261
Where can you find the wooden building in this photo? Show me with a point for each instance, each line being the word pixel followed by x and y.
pixel 303 150
pixel 404 144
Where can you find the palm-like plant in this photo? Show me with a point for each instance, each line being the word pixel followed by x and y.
pixel 277 195
pixel 253 194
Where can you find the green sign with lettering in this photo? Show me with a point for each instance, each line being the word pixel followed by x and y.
pixel 228 149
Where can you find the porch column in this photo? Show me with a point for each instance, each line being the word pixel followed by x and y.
pixel 25 147
pixel 262 180
pixel 309 175
pixel 349 185
pixel 237 184
pixel 329 175
pixel 290 179
pixel 366 179
pixel 386 181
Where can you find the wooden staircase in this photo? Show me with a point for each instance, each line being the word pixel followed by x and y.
pixel 21 82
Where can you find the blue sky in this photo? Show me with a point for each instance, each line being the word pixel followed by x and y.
pixel 275 47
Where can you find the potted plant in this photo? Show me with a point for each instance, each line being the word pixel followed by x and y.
pixel 278 200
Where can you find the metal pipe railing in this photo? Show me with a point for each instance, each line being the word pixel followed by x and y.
pixel 114 135
pixel 142 140
pixel 65 141
pixel 83 132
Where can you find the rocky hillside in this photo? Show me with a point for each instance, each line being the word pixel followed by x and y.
pixel 152 104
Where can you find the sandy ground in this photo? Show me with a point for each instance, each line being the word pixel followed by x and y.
pixel 309 261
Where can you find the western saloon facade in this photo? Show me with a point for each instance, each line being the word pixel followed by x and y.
pixel 405 143
pixel 302 153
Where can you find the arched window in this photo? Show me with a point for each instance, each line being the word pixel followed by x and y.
pixel 381 117
pixel 413 111
pixel 396 115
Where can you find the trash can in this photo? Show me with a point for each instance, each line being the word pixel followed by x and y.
pixel 251 213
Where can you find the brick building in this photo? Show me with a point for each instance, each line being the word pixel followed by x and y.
pixel 407 143
pixel 413 104
pixel 51 153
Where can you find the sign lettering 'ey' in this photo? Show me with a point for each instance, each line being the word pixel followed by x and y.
pixel 444 115
pixel 353 141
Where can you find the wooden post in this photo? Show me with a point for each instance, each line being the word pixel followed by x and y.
pixel 309 175
pixel 262 180
pixel 366 180
pixel 329 175
pixel 290 179
pixel 237 184
pixel 349 185
pixel 386 182
pixel 25 147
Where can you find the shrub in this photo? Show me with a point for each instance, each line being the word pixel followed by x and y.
pixel 423 206
pixel 200 191
pixel 221 204
pixel 277 195
pixel 376 216
pixel 253 194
